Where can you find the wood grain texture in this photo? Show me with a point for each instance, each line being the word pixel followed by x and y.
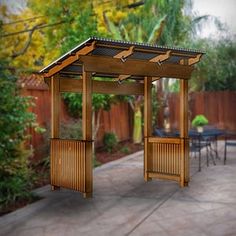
pixel 67 164
pixel 87 130
pixel 135 67
pixel 103 87
pixel 184 132
pixel 166 158
pixel 55 107
pixel 147 124
pixel 69 60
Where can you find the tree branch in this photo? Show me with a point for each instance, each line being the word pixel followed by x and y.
pixel 27 44
pixel 23 20
pixel 97 125
pixel 29 30
pixel 131 104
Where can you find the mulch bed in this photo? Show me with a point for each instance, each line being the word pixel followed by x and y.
pixel 123 149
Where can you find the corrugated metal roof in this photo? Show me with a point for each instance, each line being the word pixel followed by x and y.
pixel 110 47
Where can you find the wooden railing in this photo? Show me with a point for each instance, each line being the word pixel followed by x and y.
pixel 168 158
pixel 68 164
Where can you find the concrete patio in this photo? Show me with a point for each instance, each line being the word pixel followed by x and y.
pixel 123 204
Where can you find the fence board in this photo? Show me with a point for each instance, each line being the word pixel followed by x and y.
pixel 116 120
pixel 218 107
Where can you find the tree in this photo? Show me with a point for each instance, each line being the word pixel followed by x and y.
pixel 21 39
pixel 14 122
pixel 218 69
pixel 156 22
pixel 75 29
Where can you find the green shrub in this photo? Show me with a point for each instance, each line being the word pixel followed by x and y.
pixel 199 120
pixel 110 141
pixel 71 129
pixel 125 150
pixel 15 119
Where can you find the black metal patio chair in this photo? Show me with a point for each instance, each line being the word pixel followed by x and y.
pixel 229 142
pixel 199 141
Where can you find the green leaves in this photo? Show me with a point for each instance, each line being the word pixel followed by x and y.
pixel 199 120
pixel 157 30
pixel 99 101
pixel 217 70
pixel 110 141
pixel 15 119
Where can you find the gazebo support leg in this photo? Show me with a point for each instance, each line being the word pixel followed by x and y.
pixel 184 175
pixel 54 188
pixel 147 124
pixel 87 132
pixel 55 116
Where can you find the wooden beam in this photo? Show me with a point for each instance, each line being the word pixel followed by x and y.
pixel 69 60
pixel 104 87
pixel 162 57
pixel 194 60
pixel 147 106
pixel 184 172
pixel 55 107
pixel 183 108
pixel 55 122
pixel 147 124
pixel 87 131
pixel 155 78
pixel 124 54
pixel 87 105
pixel 135 67
pixel 164 140
pixel 164 176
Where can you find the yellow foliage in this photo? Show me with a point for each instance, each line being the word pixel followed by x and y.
pixel 114 10
pixel 29 50
pixel 22 40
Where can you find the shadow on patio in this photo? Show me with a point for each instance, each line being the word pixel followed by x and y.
pixel 123 204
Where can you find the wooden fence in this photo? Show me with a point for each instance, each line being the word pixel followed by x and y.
pixel 218 107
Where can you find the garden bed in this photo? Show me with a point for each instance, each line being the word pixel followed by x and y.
pixel 122 149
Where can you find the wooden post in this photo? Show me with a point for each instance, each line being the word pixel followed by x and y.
pixel 147 124
pixel 55 113
pixel 184 175
pixel 87 131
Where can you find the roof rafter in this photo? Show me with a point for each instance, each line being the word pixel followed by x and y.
pixel 60 65
pixel 194 60
pixel 123 77
pixel 161 58
pixel 124 54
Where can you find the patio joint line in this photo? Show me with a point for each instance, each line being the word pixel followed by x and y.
pixel 156 208
pixel 150 213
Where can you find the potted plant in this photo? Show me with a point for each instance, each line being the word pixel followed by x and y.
pixel 199 121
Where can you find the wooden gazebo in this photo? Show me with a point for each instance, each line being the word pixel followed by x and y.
pixel 136 65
